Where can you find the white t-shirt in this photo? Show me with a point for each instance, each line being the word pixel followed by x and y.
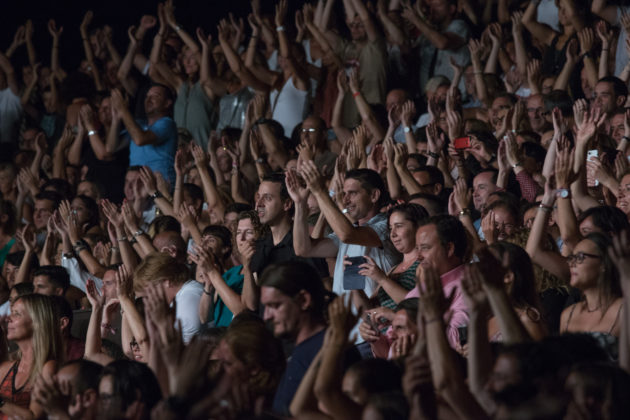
pixel 289 106
pixel 10 114
pixel 78 277
pixel 187 308
pixel 548 14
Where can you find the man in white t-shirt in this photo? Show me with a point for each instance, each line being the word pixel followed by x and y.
pixel 10 104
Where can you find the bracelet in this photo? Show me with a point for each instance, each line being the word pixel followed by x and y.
pixel 138 233
pixel 157 194
pixel 260 160
pixel 355 94
pixel 279 28
pixel 123 239
pixel 68 255
pixel 433 155
pixel 91 132
pixel 515 165
pixel 544 208
pixel 207 293
pixel 331 193
pixel 115 249
pixel 464 212
pixel 625 138
pixel 178 28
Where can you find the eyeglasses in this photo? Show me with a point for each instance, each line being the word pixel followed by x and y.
pixel 309 130
pixel 579 257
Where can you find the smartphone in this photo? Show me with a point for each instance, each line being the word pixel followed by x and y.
pixel 462 143
pixel 371 323
pixel 589 155
pixel 352 280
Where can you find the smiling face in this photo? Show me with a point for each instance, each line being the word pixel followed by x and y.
pixel 402 233
pixel 20 325
pixel 359 202
pixel 504 223
pixel 431 252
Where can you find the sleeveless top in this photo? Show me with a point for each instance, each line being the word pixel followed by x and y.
pixel 406 279
pixel 194 111
pixel 289 106
pixel 9 393
pixel 606 340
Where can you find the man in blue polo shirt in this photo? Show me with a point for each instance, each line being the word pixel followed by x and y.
pixel 154 141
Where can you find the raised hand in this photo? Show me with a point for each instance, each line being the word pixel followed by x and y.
pixel 591 121
pixel 96 299
pixel 148 179
pixel 407 112
pixel 200 157
pixel 604 33
pixel 130 217
pixel 312 177
pixel 433 304
pixel 565 156
pixel 52 29
pixel 281 12
pixel 472 289
pixel 587 38
pixel 87 19
pixel 354 83
pixel 29 239
pixel 342 319
pixel 148 21
pixel 342 81
pixel 124 283
pixel 297 192
pixel 488 228
pixel 371 270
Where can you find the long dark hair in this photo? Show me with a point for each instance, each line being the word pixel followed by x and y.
pixel 608 284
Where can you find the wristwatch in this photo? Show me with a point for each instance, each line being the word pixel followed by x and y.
pixel 563 193
pixel 407 129
pixel 156 194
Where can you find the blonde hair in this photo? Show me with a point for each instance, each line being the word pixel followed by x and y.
pixel 47 343
pixel 157 266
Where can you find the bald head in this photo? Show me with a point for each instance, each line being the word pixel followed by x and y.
pixel 171 243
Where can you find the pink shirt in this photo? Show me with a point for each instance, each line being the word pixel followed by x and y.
pixel 456 316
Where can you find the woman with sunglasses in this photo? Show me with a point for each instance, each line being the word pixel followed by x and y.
pixel 593 273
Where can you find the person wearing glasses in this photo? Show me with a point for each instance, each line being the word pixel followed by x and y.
pixel 313 135
pixel 594 274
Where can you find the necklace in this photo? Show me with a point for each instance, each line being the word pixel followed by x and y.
pixel 590 310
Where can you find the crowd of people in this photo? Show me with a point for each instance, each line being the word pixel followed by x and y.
pixel 389 209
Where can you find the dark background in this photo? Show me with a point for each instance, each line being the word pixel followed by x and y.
pixel 119 14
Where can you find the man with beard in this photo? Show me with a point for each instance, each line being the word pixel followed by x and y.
pixel 293 296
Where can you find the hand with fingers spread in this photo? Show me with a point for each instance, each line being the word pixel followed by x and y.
pixel 124 284
pixel 407 112
pixel 488 227
pixel 565 175
pixel 580 107
pixel 130 217
pixel 148 179
pixel 433 304
pixel 604 33
pixel 297 192
pixel 312 177
pixel 341 319
pixel 472 290
pixel 50 395
pixel 586 37
pixel 96 299
pixel 591 122
pixel 29 238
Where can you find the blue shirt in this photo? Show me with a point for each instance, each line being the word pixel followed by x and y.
pixel 159 156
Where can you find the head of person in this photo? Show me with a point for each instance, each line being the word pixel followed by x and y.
pixel 617 126
pixel 404 220
pixel 86 210
pixel 82 377
pixel 163 224
pixel 218 240
pixel 364 193
pixel 158 102
pixel 170 243
pixel 8 176
pixel 536 113
pixel 483 146
pixel 66 316
pixel 90 189
pixel 231 214
pixel 506 218
pixel 314 132
pixel 273 202
pixel 370 377
pixel 162 270
pixel 592 268
pixel 561 100
pixel 394 102
pixel 18 290
pixel 248 228
pixel 519 279
pixel 404 322
pixel 387 406
pixel 432 204
pixel 357 28
pixel 109 282
pixel 127 390
pixel 604 219
pixel 430 179
pixel 501 105
pixel 441 11
pixel 34 318
pixel 190 62
pixel 610 94
pixel 251 354
pixel 46 202
pixel 51 280
pixel 293 296
pixel 192 196
pixel 132 178
pixel 623 195
pixel 8 221
pixel 436 89
pixel 441 243
pixel 484 184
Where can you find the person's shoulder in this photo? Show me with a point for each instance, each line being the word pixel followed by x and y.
pixel 191 287
pixel 457 25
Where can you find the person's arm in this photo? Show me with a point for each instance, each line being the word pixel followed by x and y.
pixel 30 48
pixel 479 350
pixel 606 36
pixel 238 67
pixel 116 218
pixel 183 35
pixel 304 401
pixel 113 134
pixel 604 11
pixel 329 377
pixel 440 40
pixel 87 48
pixel 587 129
pixel 9 72
pixel 86 115
pixel 139 136
pixel 393 181
pixel 128 82
pixel 93 337
pixel 549 260
pixel 496 36
pixel 205 74
pixel 619 252
pixel 395 33
pixel 480 84
pixel 345 231
pixel 586 39
pixel 540 31
pixel 28 91
pixel 109 44
pixel 303 244
pixel 29 243
pixel 342 133
pixel 371 29
pixel 150 184
pixel 316 32
pixel 213 198
pixel 300 77
pixel 448 381
pixel 124 291
pixel 562 81
pixel 519 43
pixel 406 178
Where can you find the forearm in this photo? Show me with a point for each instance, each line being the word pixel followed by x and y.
pixel 562 81
pixel 99 148
pixel 24 272
pixel 479 359
pixel 93 343
pixel 210 189
pixel 567 223
pixel 136 324
pixel 393 182
pixel 394 290
pixel 250 296
pixel 75 150
pixel 30 49
pixel 439 40
pixel 511 327
pixel 407 180
pixel 591 71
pixel 231 299
pixel 127 253
pixel 491 64
pixel 337 221
pixel 624 337
pixel 302 243
pixel 185 37
pixel 92 264
pixel 206 305
pixel 177 191
pixel 603 63
pixel 139 136
pixel 126 65
pixel 113 52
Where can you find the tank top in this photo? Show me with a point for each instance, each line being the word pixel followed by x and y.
pixel 9 393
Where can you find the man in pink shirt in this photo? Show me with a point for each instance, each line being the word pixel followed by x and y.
pixel 441 243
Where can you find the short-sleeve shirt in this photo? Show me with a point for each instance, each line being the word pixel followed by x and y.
pixel 160 156
pixel 187 308
pixel 234 279
pixel 442 64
